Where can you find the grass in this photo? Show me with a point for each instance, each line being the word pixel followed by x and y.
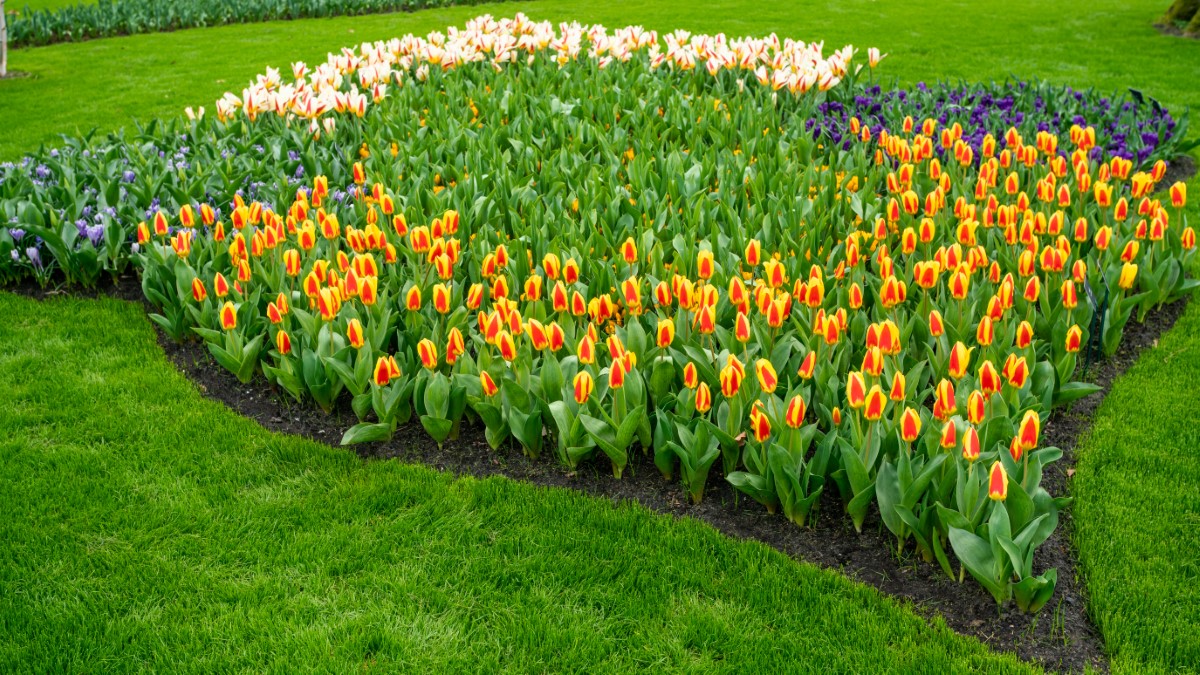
pixel 1137 510
pixel 147 528
pixel 106 83
pixel 416 570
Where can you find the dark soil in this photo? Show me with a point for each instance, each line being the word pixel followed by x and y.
pixel 1061 637
pixel 1181 168
pixel 1175 31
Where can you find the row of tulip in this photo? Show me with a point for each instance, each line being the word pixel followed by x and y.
pixel 106 18
pixel 798 363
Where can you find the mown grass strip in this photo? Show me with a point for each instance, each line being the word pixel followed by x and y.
pixel 1137 512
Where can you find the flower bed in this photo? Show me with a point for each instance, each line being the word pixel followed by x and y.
pixel 593 244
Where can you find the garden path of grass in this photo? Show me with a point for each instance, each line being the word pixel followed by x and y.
pixel 121 520
pixel 147 528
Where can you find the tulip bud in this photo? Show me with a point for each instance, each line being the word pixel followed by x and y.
pixel 583 385
pixel 794 416
pixel 703 398
pixel 910 425
pixel 488 384
pixel 767 379
pixel 997 483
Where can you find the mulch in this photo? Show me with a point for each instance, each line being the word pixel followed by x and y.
pixel 1061 637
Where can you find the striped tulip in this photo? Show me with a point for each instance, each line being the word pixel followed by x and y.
pixel 767 378
pixel 488 384
pixel 997 482
pixel 794 417
pixel 875 404
pixel 199 293
pixel 428 353
pixel 228 316
pixel 455 346
pixel 665 333
pixel 759 424
pixel 703 398
pixel 383 372
pixel 705 265
pixel 354 333
pixel 616 374
pixel 910 425
pixel 1074 339
pixel 412 299
pixel 283 343
pixel 441 298
pixel 508 348
pixel 1029 430
pixel 583 385
pixel 690 377
pixel 971 448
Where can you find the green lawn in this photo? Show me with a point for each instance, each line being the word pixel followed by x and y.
pixel 35 5
pixel 147 528
pixel 250 551
pixel 1137 512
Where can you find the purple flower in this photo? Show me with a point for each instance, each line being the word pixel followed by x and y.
pixel 129 176
pixel 16 233
pixel 95 234
pixel 34 256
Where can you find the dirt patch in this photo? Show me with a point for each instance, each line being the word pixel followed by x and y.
pixel 1181 168
pixel 1061 638
pixel 1174 31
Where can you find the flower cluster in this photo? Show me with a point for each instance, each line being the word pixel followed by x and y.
pixel 348 81
pixel 908 357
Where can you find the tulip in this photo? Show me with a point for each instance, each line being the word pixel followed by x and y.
pixel 586 351
pixel 936 326
pixel 989 378
pixel 616 374
pixel 665 333
pixel 220 285
pixel 731 381
pixel 690 377
pixel 412 299
pixel 767 379
pixel 1128 275
pixel 488 384
pixel 807 366
pixel 944 400
pixel 1178 193
pixel 283 343
pixel 856 390
pixel 910 425
pixel 538 335
pixel 1024 335
pixel 794 417
pixel 383 372
pixel 971 448
pixel 704 264
pixel 753 252
pixel 976 407
pixel 760 425
pixel 354 333
pixel 960 358
pixel 898 387
pixel 741 327
pixel 629 251
pixel 1028 431
pixel 997 482
pixel 508 348
pixel 1074 339
pixel 583 385
pixel 875 404
pixel 455 347
pixel 428 353
pixel 199 293
pixel 703 398
pixel 949 436
pixel 228 316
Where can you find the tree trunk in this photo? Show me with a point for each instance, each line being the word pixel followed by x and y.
pixel 4 41
pixel 1193 27
pixel 1180 10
